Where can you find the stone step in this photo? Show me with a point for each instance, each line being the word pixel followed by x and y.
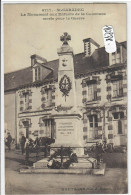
pixel 55 171
pixel 84 171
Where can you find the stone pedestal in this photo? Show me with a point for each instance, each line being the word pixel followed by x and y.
pixel 69 131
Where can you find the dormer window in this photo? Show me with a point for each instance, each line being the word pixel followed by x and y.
pixel 38 65
pixel 116 56
pixel 37 73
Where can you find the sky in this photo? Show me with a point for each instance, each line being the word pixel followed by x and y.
pixel 28 35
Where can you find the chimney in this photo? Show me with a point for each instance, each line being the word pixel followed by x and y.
pixel 89 46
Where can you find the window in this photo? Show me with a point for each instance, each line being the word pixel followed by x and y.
pixel 117 88
pixel 93 124
pixel 92 92
pixel 118 50
pixel 93 121
pixel 48 97
pixel 49 128
pixel 36 133
pixel 37 73
pixel 118 116
pixel 116 56
pixel 113 58
pixel 26 101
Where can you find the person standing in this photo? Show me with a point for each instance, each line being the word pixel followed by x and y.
pixel 37 146
pixel 9 140
pixel 98 153
pixel 27 151
pixel 23 140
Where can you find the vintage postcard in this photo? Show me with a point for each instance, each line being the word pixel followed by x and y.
pixel 65 98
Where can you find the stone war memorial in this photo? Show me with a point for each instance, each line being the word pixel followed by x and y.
pixel 68 117
pixel 66 153
pixel 79 112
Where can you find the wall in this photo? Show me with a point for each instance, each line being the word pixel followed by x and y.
pixel 124 54
pixel 103 90
pixel 106 120
pixel 9 113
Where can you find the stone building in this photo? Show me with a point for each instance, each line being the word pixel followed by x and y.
pixel 87 91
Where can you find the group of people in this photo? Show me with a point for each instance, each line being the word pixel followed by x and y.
pixel 25 143
pixel 9 141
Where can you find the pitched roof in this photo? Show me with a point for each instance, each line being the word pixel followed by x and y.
pixel 98 60
pixel 15 79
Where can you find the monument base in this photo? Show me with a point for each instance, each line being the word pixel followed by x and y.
pixel 88 163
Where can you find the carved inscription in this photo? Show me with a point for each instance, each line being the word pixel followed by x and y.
pixel 66 128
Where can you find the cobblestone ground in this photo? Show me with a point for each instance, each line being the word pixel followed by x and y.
pixel 114 181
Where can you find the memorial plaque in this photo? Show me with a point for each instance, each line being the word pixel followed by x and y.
pixel 65 131
pixel 65 128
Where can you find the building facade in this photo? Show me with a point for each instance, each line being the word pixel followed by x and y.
pixel 99 80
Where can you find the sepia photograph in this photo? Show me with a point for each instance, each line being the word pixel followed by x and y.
pixel 65 98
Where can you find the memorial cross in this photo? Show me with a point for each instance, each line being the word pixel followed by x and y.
pixel 65 38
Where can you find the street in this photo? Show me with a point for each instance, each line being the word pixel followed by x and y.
pixel 114 181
